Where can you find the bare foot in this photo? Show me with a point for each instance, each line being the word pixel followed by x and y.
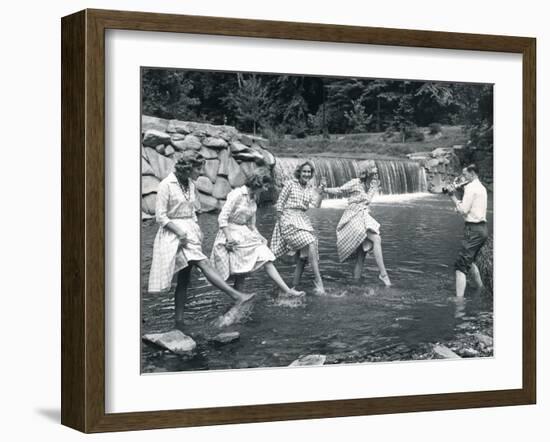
pixel 246 298
pixel 385 279
pixel 319 289
pixel 292 293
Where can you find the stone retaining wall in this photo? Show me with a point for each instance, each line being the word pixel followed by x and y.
pixel 230 157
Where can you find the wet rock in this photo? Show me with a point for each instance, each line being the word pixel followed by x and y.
pixel 153 137
pixel 307 360
pixel 468 352
pixel 174 341
pixel 484 339
pixel 226 338
pixel 445 352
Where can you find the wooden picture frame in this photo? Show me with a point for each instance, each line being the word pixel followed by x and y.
pixel 83 220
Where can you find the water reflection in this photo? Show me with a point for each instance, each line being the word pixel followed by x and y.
pixel 421 237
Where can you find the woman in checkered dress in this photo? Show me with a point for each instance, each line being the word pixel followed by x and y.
pixel 178 243
pixel 358 232
pixel 239 248
pixel 293 233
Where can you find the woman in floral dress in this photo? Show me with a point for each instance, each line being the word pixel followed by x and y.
pixel 293 233
pixel 358 232
pixel 239 248
pixel 178 243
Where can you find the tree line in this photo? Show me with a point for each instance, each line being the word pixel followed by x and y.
pixel 275 105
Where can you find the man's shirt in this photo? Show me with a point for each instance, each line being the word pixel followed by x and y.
pixel 474 203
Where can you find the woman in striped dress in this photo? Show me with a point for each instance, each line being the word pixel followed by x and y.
pixel 293 233
pixel 239 248
pixel 358 232
pixel 178 243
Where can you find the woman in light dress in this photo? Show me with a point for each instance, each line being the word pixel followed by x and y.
pixel 358 232
pixel 239 248
pixel 178 243
pixel 293 233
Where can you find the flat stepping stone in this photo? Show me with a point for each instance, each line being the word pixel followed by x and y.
pixel 226 338
pixel 175 341
pixel 445 352
pixel 309 360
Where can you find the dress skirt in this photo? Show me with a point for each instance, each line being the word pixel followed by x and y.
pixel 292 233
pixel 250 253
pixel 352 230
pixel 169 257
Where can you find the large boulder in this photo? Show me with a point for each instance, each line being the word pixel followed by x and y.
pixel 146 168
pixel 162 166
pixel 211 169
pixel 208 154
pixel 148 203
pixel 174 341
pixel 180 127
pixel 149 184
pixel 237 146
pixel 214 143
pixel 204 185
pixel 223 156
pixel 155 123
pixel 208 203
pixel 235 175
pixel 221 188
pixel 153 138
pixel 189 142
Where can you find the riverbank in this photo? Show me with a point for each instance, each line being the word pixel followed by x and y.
pixel 372 145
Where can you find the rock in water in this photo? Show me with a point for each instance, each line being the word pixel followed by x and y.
pixel 445 352
pixel 303 361
pixel 174 341
pixel 484 339
pixel 226 338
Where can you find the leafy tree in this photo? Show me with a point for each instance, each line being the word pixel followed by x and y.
pixel 167 94
pixel 358 119
pixel 250 102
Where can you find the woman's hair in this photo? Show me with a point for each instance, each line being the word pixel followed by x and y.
pixel 188 161
pixel 298 169
pixel 258 178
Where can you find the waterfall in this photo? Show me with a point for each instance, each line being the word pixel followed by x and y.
pixel 396 176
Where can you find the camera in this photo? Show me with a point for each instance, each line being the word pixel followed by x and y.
pixel 456 184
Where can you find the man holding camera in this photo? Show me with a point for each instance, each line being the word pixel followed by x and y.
pixel 473 208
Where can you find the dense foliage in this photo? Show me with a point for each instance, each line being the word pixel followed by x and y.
pixel 278 105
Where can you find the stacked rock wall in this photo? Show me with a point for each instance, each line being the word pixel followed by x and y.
pixel 230 157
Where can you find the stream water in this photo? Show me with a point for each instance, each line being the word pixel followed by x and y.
pixel 421 234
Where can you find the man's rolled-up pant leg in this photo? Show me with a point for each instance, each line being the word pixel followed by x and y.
pixel 475 236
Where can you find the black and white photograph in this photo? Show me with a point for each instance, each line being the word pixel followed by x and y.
pixel 292 220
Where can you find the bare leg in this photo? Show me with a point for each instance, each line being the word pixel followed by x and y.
pixel 474 272
pixel 377 250
pixel 217 281
pixel 239 282
pixel 359 262
pixel 180 297
pixel 314 260
pixel 460 284
pixel 273 273
pixel 299 269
